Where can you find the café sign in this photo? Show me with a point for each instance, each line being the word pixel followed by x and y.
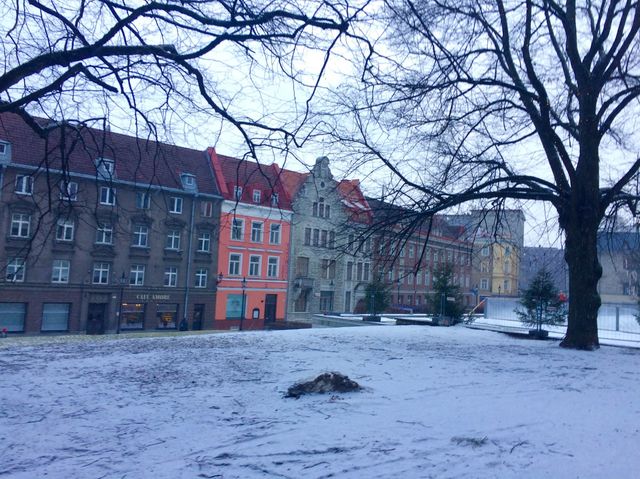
pixel 152 297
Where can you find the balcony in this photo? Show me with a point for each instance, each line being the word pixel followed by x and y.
pixel 303 283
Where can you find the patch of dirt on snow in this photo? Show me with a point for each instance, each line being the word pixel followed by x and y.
pixel 325 383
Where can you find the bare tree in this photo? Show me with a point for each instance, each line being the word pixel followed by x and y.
pixel 498 100
pixel 81 61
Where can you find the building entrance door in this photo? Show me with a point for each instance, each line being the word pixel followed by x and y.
pixel 270 303
pixel 198 313
pixel 96 318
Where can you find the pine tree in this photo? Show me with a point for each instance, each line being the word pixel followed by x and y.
pixel 377 297
pixel 446 299
pixel 542 302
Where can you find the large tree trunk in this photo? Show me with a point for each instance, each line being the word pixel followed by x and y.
pixel 580 221
pixel 585 271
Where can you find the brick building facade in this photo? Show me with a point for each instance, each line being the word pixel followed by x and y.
pixel 104 232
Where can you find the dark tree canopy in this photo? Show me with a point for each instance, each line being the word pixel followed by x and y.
pixel 495 100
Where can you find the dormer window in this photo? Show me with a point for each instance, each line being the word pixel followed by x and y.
pixel 274 199
pixel 188 181
pixel 106 168
pixel 4 147
pixel 237 192
pixel 257 196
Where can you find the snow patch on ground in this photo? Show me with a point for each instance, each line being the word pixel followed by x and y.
pixel 437 402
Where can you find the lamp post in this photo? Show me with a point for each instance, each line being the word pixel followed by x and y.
pixel 399 282
pixel 244 300
pixel 122 281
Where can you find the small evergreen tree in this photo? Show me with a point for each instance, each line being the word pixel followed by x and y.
pixel 542 303
pixel 377 297
pixel 446 299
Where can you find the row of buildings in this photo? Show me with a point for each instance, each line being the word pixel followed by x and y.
pixel 106 233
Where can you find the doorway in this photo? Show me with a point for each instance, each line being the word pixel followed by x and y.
pixel 96 315
pixel 198 313
pixel 270 305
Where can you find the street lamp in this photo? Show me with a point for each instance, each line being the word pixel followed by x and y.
pixel 399 282
pixel 244 300
pixel 122 281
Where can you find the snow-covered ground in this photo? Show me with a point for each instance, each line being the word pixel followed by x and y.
pixel 439 402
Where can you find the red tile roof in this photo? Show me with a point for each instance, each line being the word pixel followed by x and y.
pixel 354 201
pixel 232 172
pixel 136 160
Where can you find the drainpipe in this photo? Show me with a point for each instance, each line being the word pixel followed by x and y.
pixel 189 258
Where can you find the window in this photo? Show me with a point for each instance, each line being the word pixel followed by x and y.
pixel 332 239
pixel 274 234
pixel 101 273
pixel 64 230
pixel 367 246
pixel 256 232
pixel 20 225
pixel 204 242
pixel 257 196
pixel 60 271
pixel 365 274
pixel 235 263
pixel 237 229
pixel 411 251
pixel 272 267
pixel 316 237
pixel 136 275
pixel 132 316
pixel 350 271
pixel 484 267
pixel 507 266
pixel 326 301
pixel 173 240
pixel 69 191
pixel 24 185
pixel 175 205
pixel 15 270
pixel 13 315
pixel 328 269
pixel 55 316
pixel 359 271
pixel 104 234
pixel 106 168
pixel 206 209
pixel 302 267
pixel 254 265
pixel 307 236
pixel 188 181
pixel 484 283
pixel 201 278
pixel 484 251
pixel 506 286
pixel 4 147
pixel 171 277
pixel 418 278
pixel 107 195
pixel 167 315
pixel 323 238
pixel 237 192
pixel 320 209
pixel 143 200
pixel 234 306
pixel 274 199
pixel 140 236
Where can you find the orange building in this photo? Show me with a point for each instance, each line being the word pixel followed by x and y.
pixel 253 254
